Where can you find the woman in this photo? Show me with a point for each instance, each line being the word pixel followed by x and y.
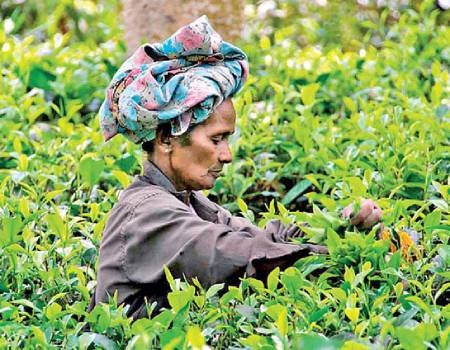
pixel 174 98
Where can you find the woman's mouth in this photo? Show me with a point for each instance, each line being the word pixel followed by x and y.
pixel 215 173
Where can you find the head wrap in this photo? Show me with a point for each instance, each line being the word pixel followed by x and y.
pixel 180 81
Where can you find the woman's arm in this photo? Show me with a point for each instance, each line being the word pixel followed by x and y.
pixel 162 231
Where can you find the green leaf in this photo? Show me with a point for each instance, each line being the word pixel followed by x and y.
pixel 296 191
pixel 315 341
pixel 40 78
pixel 264 43
pixel 52 194
pixel 356 186
pixel 100 318
pixel 444 253
pixel 432 219
pixel 40 336
pixel 327 219
pixel 164 318
pixel 141 342
pixel 414 338
pixel 242 206
pixel 90 169
pixel 349 274
pixel 17 145
pixel 195 337
pixel 367 266
pixel 427 331
pixel 100 340
pixel 349 104
pixel 308 94
pixel 53 311
pixel 353 345
pixel 395 260
pixel 214 289
pixel 126 163
pixel 179 299
pixel 333 240
pixel 436 69
pixel 11 228
pixel 274 310
pixel 420 303
pixel 292 280
pixel 73 107
pixel 27 303
pixel 200 301
pixel 169 278
pixel 282 321
pixel 313 178
pixel 122 177
pixel 317 315
pixel 436 93
pixel 171 339
pixel 272 279
pixel 256 284
pixel 352 313
pixel 406 316
pixel 233 293
pixel 253 341
pixel 56 224
pixel 247 311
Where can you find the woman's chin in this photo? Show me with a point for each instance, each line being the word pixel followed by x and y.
pixel 204 182
pixel 207 185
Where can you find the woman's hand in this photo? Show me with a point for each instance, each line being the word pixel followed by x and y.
pixel 368 216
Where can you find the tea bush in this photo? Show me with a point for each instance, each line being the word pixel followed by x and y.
pixel 324 120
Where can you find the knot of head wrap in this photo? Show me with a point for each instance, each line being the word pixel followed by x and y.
pixel 179 81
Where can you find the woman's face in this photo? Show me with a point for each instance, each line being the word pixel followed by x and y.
pixel 197 166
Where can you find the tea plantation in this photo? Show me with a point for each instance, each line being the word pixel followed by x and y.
pixel 345 101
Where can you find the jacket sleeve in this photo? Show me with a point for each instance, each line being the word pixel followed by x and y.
pixel 162 232
pixel 278 231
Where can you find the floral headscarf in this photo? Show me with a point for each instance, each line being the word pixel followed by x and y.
pixel 180 81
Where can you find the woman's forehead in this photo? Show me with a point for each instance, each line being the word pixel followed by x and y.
pixel 225 109
pixel 223 119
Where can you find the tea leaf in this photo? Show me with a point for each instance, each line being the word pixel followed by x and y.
pixel 272 279
pixel 213 290
pixel 90 169
pixel 352 313
pixel 295 191
pixel 195 337
pixel 179 299
pixel 11 228
pixel 122 177
pixel 281 322
pixel 264 43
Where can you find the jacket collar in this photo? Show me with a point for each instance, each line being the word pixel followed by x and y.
pixel 153 175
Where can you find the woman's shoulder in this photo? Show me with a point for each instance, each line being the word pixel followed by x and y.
pixel 140 191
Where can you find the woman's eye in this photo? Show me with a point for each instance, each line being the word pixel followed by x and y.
pixel 216 140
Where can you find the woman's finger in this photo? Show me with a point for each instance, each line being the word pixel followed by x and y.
pixel 319 249
pixel 367 207
pixel 373 218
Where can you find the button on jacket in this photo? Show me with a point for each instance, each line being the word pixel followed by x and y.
pixel 153 226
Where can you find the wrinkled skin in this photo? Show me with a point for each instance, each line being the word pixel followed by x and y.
pixel 197 166
pixel 369 214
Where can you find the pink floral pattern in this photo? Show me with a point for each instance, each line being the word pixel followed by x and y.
pixel 179 81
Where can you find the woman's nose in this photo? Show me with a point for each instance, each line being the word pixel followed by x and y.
pixel 225 154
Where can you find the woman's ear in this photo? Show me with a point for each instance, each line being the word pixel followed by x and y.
pixel 163 141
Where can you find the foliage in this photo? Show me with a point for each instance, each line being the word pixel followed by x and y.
pixel 322 123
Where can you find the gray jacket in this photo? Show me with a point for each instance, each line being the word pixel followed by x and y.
pixel 152 227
